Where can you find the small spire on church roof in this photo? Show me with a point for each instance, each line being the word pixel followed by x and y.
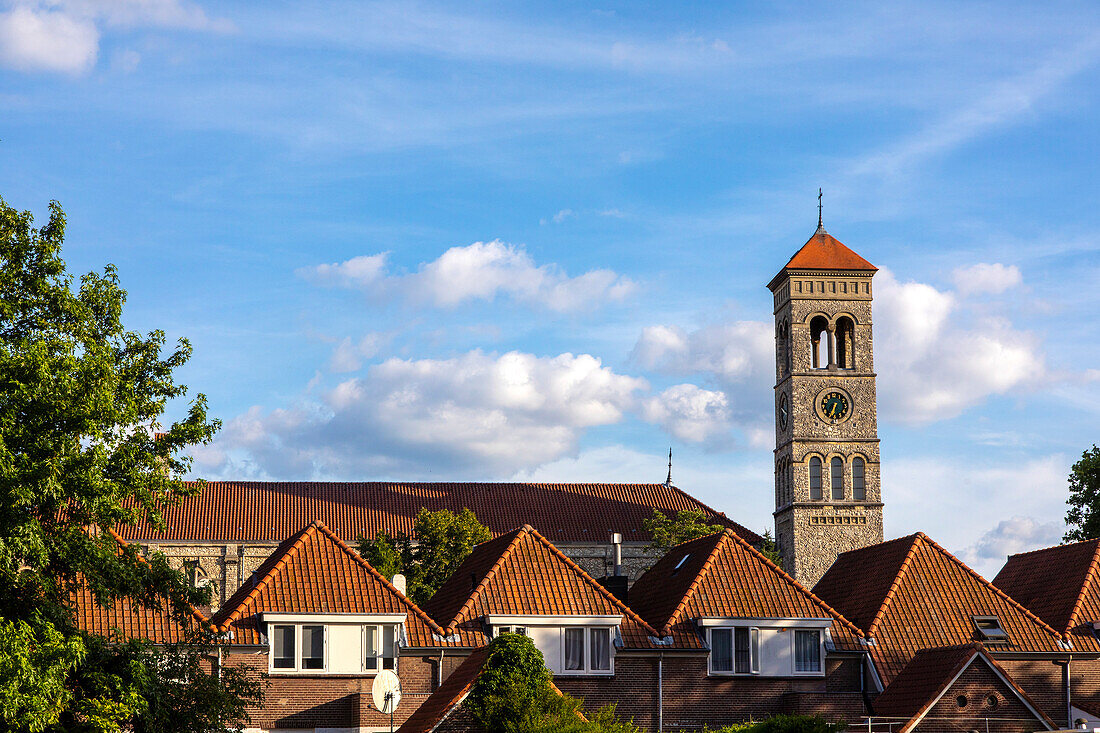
pixel 668 481
pixel 820 225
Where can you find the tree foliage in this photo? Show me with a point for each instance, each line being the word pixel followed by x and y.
pixel 784 724
pixel 668 531
pixel 80 401
pixel 1083 515
pixel 514 694
pixel 440 542
pixel 768 548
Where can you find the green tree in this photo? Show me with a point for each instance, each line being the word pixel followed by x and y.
pixel 80 401
pixel 785 724
pixel 1083 515
pixel 668 531
pixel 440 542
pixel 513 694
pixel 768 548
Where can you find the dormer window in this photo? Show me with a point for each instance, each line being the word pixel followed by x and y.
pixel 990 629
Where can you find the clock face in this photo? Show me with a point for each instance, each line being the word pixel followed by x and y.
pixel 834 406
pixel 784 412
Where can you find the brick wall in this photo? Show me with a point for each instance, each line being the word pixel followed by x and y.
pixel 989 705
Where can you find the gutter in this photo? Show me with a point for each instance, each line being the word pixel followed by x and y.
pixel 660 693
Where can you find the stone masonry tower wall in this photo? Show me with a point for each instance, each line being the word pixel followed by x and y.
pixel 827 491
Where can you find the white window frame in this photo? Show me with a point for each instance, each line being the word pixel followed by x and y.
pixel 587 649
pixel 755 626
pixel 298 639
pixel 380 656
pixel 820 671
pixel 325 621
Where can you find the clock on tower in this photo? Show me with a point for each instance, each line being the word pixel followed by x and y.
pixel 827 494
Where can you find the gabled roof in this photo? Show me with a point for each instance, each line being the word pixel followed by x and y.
pixel 255 511
pixel 824 252
pixel 522 574
pixel 314 571
pixel 449 695
pixel 126 619
pixel 1061 585
pixel 930 674
pixel 910 594
pixel 723 576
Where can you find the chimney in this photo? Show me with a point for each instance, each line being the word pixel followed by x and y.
pixel 399 583
pixel 616 583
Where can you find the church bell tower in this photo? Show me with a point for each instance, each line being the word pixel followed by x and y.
pixel 827 494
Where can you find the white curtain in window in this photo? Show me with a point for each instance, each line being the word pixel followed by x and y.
pixel 601 649
pixel 282 643
pixel 721 650
pixel 371 653
pixel 574 649
pixel 807 651
pixel 313 647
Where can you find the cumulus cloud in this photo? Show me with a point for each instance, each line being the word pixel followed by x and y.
pixel 935 358
pixel 480 271
pixel 689 413
pixel 985 277
pixel 1010 536
pixel 348 355
pixel 63 35
pixel 732 352
pixel 477 415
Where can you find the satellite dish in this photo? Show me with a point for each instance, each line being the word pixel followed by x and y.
pixel 386 691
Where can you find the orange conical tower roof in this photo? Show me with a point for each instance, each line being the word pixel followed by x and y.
pixel 824 252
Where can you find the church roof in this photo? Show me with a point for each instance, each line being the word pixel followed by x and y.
pixel 910 594
pixel 258 511
pixel 723 576
pixel 1061 585
pixel 824 252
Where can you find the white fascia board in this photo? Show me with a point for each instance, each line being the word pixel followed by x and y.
pixel 766 623
pixel 498 620
pixel 332 618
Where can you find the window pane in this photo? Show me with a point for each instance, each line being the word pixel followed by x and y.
pixel 742 656
pixel 282 646
pixel 372 652
pixel 815 478
pixel 859 485
pixel 837 472
pixel 754 636
pixel 721 650
pixel 313 647
pixel 574 649
pixel 601 649
pixel 807 651
pixel 389 646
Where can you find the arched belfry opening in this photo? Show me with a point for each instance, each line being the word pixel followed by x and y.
pixel 820 339
pixel 845 343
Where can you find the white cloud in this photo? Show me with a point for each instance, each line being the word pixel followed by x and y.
pixel 1010 536
pixel 348 355
pixel 689 413
pixel 477 415
pixel 480 271
pixel 63 35
pixel 39 39
pixel 732 352
pixel 562 215
pixel 935 359
pixel 984 277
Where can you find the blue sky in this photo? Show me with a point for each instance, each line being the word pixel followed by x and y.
pixel 491 241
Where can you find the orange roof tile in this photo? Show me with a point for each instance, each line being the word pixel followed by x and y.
pixel 911 594
pixel 314 571
pixel 928 676
pixel 435 709
pixel 250 511
pixel 721 575
pixel 1061 585
pixel 523 574
pixel 126 619
pixel 824 252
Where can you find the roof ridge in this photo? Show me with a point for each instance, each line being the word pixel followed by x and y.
pixel 1054 547
pixel 1089 574
pixel 262 583
pixel 374 571
pixel 452 625
pixel 703 570
pixel 196 613
pixel 893 589
pixel 799 587
pixel 599 587
pixel 994 588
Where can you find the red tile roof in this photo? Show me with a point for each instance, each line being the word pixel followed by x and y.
pixel 1061 585
pixel 911 594
pixel 523 574
pixel 250 511
pixel 723 576
pixel 823 252
pixel 125 619
pixel 449 695
pixel 929 675
pixel 314 571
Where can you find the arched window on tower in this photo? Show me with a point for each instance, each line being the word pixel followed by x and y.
pixel 845 343
pixel 859 479
pixel 819 342
pixel 815 479
pixel 836 477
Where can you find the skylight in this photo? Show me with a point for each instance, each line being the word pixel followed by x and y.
pixel 680 564
pixel 990 629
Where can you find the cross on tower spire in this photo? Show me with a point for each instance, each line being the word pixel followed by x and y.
pixel 668 481
pixel 819 224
